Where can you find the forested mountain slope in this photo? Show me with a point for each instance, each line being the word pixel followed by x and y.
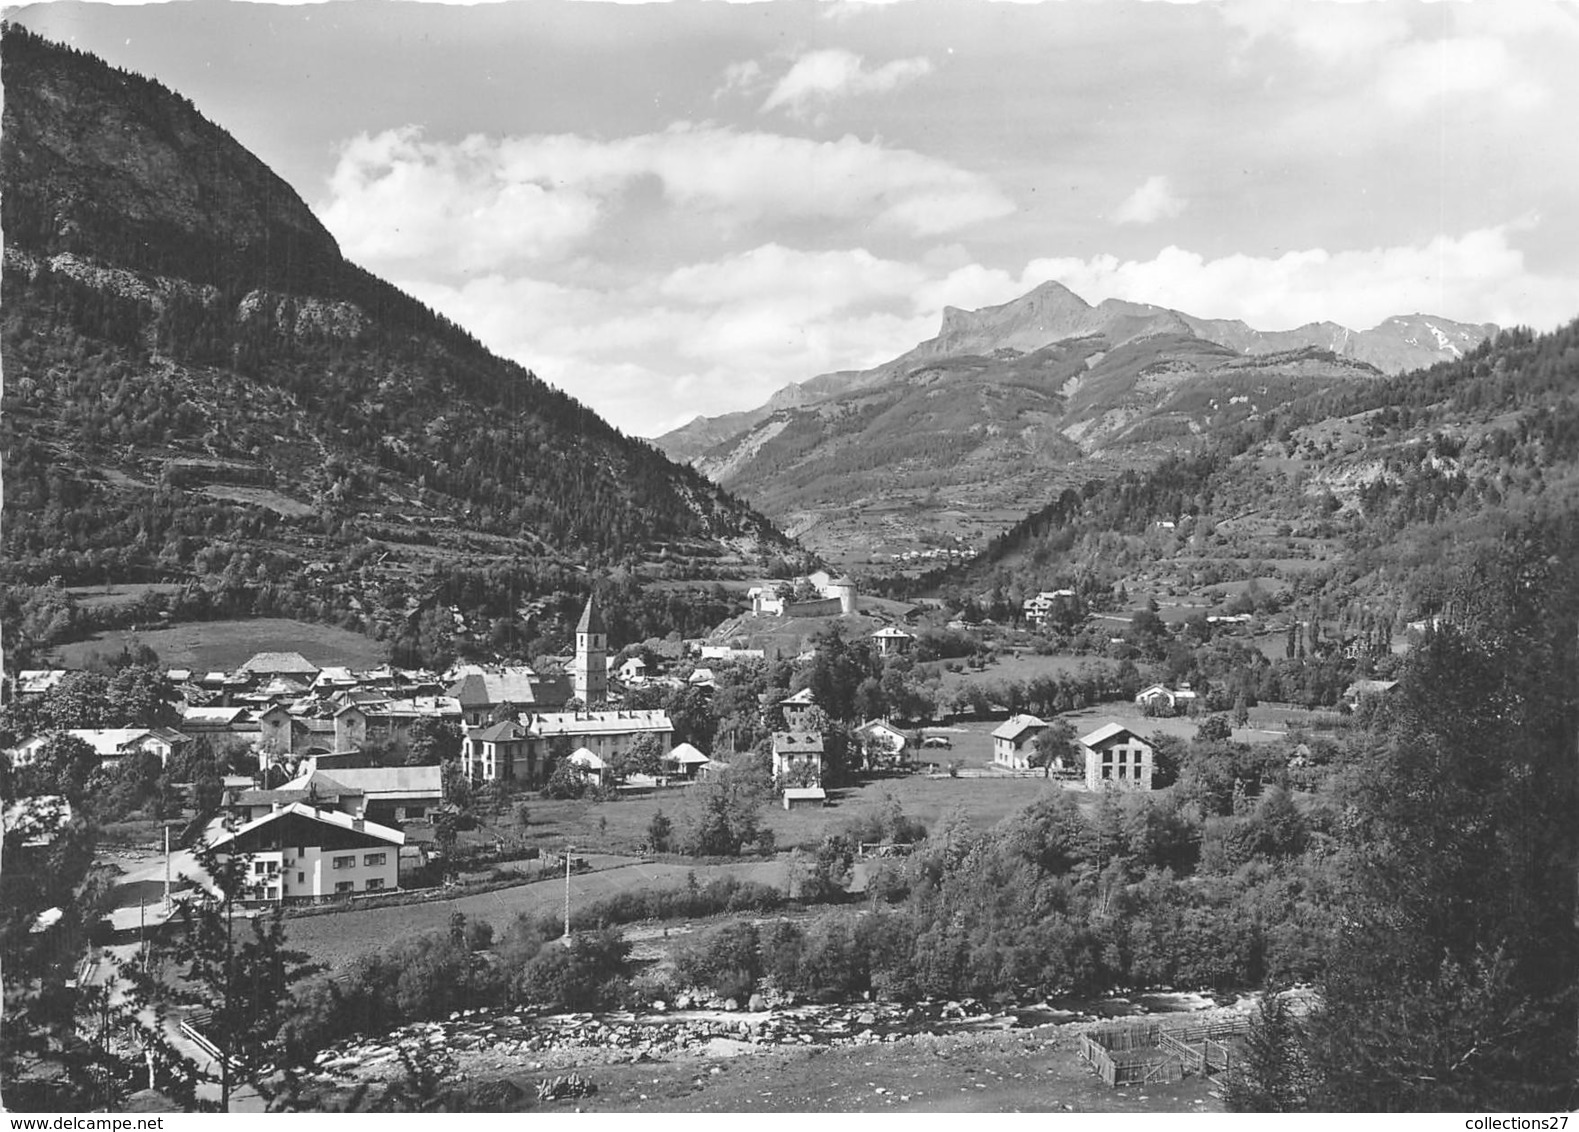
pixel 199 388
pixel 1364 497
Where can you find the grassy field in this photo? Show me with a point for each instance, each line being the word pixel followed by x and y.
pixel 224 645
pixel 621 826
pixel 1266 725
pixel 121 593
pixel 1024 667
pixel 336 938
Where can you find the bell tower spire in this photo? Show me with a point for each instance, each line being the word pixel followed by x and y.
pixel 590 673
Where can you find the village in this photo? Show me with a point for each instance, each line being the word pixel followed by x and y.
pixel 353 774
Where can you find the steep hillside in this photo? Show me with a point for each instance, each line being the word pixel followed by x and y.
pixel 1355 505
pixel 199 388
pixel 1131 382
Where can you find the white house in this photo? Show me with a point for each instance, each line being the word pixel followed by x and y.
pixel 111 744
pixel 1117 758
pixel 1012 741
pixel 883 737
pixel 300 853
pixel 892 641
pixel 799 755
pixel 1160 697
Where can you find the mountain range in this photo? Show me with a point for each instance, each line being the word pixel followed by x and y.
pixel 201 389
pixel 1009 404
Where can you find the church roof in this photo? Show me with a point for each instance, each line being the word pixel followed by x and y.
pixel 591 617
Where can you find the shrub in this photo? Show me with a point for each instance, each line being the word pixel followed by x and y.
pixel 583 976
pixel 725 960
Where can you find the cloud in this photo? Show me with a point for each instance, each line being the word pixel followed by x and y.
pixel 724 334
pixel 1335 34
pixel 815 281
pixel 1415 76
pixel 820 77
pixel 715 336
pixel 1153 201
pixel 483 204
pixel 1478 276
pixel 394 198
pixel 745 77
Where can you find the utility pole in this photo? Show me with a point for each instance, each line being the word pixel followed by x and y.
pixel 567 895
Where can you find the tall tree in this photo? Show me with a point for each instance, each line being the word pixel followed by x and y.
pixel 244 982
pixel 1452 982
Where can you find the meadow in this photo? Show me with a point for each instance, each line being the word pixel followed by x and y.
pixel 206 646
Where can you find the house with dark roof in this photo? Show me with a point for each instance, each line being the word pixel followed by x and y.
pixel 501 751
pixel 301 853
pixel 797 755
pixel 266 665
pixel 386 794
pixel 482 691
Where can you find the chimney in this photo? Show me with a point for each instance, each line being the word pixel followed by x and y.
pixel 358 824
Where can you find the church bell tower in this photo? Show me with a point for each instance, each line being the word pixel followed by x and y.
pixel 590 675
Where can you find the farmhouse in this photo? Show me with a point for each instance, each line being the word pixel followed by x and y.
pixel 798 756
pixel 797 709
pixel 892 641
pixel 1012 741
pixel 1117 758
pixel 299 852
pixel 883 737
pixel 1161 698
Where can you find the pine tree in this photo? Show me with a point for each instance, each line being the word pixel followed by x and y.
pixel 1270 1074
pixel 243 982
pixel 1451 986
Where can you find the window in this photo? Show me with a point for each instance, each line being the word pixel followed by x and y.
pixel 372 858
pixel 375 883
pixel 346 862
pixel 415 811
pixel 301 878
pixel 345 886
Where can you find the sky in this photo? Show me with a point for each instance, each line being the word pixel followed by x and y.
pixel 674 209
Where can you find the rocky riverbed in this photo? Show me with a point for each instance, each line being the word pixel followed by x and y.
pixel 486 1043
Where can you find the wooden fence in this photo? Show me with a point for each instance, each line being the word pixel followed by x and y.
pixel 1147 1053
